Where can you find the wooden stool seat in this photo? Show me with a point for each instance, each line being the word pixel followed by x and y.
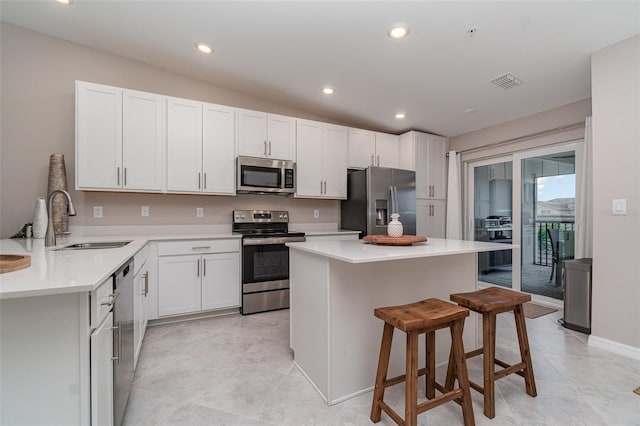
pixel 414 319
pixel 490 302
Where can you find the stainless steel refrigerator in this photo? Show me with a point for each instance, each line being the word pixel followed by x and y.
pixel 373 194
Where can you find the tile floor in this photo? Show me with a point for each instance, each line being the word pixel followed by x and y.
pixel 236 370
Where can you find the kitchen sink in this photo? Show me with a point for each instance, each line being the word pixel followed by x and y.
pixel 96 245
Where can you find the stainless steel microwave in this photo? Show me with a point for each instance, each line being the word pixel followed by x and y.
pixel 263 175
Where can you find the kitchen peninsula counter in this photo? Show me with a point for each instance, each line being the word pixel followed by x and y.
pixel 336 285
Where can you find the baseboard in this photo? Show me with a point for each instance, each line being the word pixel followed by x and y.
pixel 615 347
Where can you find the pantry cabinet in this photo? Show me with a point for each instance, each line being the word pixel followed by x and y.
pixel 118 139
pixel 427 155
pixel 321 160
pixel 431 218
pixel 368 148
pixel 266 135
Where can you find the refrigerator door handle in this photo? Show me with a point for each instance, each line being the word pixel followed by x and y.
pixel 394 199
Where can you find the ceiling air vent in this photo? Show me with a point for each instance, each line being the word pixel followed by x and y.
pixel 507 81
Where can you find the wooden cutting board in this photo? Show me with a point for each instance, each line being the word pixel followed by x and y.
pixel 13 262
pixel 385 240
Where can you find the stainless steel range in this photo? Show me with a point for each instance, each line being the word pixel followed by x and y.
pixel 265 258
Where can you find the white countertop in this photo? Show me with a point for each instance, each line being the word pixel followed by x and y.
pixel 361 252
pixel 71 271
pixel 339 232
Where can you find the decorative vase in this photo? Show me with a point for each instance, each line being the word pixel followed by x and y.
pixel 394 229
pixel 58 180
pixel 40 219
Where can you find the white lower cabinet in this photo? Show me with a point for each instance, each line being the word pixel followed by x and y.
pixel 189 283
pixel 102 373
pixel 431 218
pixel 140 317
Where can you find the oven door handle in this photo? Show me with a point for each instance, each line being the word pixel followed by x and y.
pixel 271 241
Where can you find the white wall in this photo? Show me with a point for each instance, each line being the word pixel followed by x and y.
pixel 38 76
pixel 615 79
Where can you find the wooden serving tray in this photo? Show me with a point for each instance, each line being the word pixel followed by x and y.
pixel 13 262
pixel 385 240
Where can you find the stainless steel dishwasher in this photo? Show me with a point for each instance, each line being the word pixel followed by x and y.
pixel 123 345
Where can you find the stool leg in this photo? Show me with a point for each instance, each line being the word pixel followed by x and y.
pixel 430 343
pixel 450 378
pixel 457 349
pixel 488 361
pixel 411 384
pixel 381 375
pixel 525 353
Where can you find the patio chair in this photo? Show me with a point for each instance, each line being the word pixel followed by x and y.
pixel 554 235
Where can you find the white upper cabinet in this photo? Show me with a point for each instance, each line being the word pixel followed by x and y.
pixel 184 145
pixel 387 150
pixel 141 140
pixel 266 135
pixel 368 148
pixel 200 147
pixel 218 149
pixel 118 139
pixel 321 160
pixel 98 136
pixel 427 155
pixel 362 148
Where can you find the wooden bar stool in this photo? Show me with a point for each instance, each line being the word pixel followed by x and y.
pixel 425 316
pixel 490 302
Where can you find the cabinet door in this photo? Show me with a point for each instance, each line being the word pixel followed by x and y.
pixel 184 145
pixel 362 147
pixel 281 137
pixel 387 150
pixel 178 284
pixel 220 280
pixel 101 342
pixel 252 133
pixel 430 218
pixel 437 161
pixel 141 141
pixel 423 186
pixel 309 176
pixel 334 161
pixel 218 149
pixel 98 136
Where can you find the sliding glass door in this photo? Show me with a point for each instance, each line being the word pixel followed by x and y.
pixel 525 198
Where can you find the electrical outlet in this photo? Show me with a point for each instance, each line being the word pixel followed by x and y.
pixel 144 211
pixel 199 212
pixel 97 211
pixel 619 207
pixel 316 214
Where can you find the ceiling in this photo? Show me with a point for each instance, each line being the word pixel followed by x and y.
pixel 287 52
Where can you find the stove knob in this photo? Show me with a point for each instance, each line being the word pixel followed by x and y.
pixel 242 216
pixel 281 216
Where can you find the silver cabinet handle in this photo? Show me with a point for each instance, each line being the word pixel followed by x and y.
pixel 201 248
pixel 205 180
pixel 372 163
pixel 112 299
pixel 204 267
pixel 125 176
pixel 146 284
pixel 265 148
pixel 378 161
pixel 321 187
pixel 199 179
pixel 118 353
pixel 269 148
pixel 198 269
pixel 325 186
pixel 118 174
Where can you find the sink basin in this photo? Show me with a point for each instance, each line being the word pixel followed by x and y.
pixel 96 245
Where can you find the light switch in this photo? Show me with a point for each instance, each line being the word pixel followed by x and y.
pixel 619 207
pixel 144 211
pixel 316 214
pixel 97 211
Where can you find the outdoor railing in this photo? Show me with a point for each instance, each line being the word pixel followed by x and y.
pixel 543 252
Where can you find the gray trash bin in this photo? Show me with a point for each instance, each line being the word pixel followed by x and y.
pixel 577 295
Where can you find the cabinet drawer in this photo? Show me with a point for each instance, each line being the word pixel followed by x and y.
pixel 101 302
pixel 169 248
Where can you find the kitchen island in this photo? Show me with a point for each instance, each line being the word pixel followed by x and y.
pixel 335 286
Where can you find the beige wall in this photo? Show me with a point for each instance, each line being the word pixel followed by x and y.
pixel 615 74
pixel 38 75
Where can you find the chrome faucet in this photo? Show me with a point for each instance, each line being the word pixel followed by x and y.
pixel 50 236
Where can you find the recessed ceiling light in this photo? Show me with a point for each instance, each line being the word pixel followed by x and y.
pixel 398 31
pixel 401 115
pixel 65 2
pixel 328 91
pixel 203 47
pixel 472 31
pixel 470 110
